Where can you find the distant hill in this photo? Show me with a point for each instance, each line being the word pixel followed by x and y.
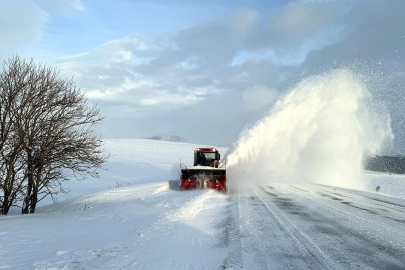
pixel 392 164
pixel 169 138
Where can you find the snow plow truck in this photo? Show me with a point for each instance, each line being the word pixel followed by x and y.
pixel 207 171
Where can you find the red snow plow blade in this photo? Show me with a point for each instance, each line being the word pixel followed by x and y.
pixel 199 178
pixel 207 171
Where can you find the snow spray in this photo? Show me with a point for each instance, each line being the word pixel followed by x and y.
pixel 319 132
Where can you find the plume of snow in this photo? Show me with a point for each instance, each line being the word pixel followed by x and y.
pixel 320 132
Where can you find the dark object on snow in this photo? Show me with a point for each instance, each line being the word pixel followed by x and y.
pixel 391 164
pixel 174 184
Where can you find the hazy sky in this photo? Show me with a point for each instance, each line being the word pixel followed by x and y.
pixel 205 69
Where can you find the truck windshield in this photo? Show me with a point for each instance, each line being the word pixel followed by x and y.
pixel 204 159
pixel 209 156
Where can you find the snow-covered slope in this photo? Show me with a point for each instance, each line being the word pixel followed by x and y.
pixel 145 225
pixel 139 227
pixel 132 162
pixel 142 225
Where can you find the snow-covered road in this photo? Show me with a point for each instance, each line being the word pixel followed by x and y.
pixel 317 227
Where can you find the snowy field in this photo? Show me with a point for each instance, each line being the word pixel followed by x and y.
pixel 145 225
pixel 135 162
pixel 141 225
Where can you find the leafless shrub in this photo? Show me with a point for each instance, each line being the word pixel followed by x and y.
pixel 118 184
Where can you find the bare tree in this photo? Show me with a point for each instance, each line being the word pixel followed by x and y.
pixel 11 177
pixel 53 125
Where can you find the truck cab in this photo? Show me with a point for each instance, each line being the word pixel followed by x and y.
pixel 206 157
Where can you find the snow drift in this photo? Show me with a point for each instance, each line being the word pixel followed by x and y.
pixel 319 132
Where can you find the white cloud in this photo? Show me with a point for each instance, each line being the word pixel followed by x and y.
pixel 240 60
pixel 258 96
pixel 173 69
pixel 292 25
pixel 217 40
pixel 179 75
pixel 22 23
pixel 226 59
pixel 123 72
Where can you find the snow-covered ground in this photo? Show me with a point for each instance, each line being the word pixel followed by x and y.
pixel 132 162
pixel 141 225
pixel 390 184
pixel 145 225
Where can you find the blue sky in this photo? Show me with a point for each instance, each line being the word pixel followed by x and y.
pixel 151 65
pixel 102 21
pixel 70 30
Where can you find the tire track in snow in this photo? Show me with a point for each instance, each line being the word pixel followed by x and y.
pixel 395 206
pixel 352 237
pixel 261 241
pixel 350 206
pixel 314 256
